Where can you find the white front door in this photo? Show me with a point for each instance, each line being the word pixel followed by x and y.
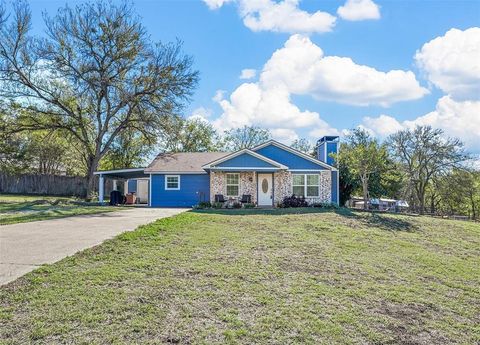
pixel 265 190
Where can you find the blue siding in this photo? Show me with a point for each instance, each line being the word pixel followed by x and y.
pixel 292 161
pixel 331 148
pixel 132 186
pixel 321 152
pixel 335 196
pixel 245 160
pixel 193 188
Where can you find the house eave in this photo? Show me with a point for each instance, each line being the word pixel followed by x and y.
pixel 244 169
pixel 176 172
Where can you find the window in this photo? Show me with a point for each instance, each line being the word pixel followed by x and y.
pixel 307 185
pixel 233 184
pixel 172 182
pixel 313 182
pixel 299 185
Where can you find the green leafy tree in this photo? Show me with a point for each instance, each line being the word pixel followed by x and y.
pixel 94 75
pixel 423 154
pixel 363 156
pixel 348 183
pixel 246 137
pixel 37 152
pixel 457 192
pixel 131 149
pixel 387 183
pixel 190 135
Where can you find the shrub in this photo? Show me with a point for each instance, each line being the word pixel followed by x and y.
pixel 294 201
pixel 325 205
pixel 217 205
pixel 93 197
pixel 249 205
pixel 237 204
pixel 204 204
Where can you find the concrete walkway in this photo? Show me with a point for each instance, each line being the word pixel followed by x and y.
pixel 25 246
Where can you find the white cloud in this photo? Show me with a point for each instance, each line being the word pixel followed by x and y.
pixel 219 94
pixel 359 10
pixel 248 73
pixel 452 63
pixel 215 4
pixel 283 16
pixel 459 119
pixel 302 67
pixel 284 135
pixel 383 125
pixel 201 113
pixel 279 16
pixel 250 104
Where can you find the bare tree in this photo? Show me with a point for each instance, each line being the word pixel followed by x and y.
pixel 425 153
pixel 303 145
pixel 95 74
pixel 246 137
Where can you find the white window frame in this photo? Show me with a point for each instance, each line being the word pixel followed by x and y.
pixel 227 184
pixel 305 185
pixel 299 185
pixel 166 183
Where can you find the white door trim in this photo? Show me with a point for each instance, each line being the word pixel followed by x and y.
pixel 261 202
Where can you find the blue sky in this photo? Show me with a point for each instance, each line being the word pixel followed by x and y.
pixel 352 63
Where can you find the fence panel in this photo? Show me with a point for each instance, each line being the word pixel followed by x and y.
pixel 46 185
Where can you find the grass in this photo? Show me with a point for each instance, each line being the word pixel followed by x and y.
pixel 269 277
pixel 27 208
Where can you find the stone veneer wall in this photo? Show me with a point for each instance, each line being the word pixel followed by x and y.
pixel 218 184
pixel 247 186
pixel 282 185
pixel 282 182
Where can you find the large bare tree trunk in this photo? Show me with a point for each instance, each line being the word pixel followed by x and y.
pixel 92 166
pixel 422 202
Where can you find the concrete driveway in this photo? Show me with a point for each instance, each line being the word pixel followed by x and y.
pixel 24 247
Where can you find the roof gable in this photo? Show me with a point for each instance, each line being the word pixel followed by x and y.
pixel 293 159
pixel 244 159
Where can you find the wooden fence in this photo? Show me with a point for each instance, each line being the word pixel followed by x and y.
pixel 45 185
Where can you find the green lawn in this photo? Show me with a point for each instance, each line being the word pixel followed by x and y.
pixel 27 208
pixel 268 277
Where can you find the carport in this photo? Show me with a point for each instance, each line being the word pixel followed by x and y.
pixel 120 175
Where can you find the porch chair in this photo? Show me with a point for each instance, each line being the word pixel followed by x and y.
pixel 246 199
pixel 219 198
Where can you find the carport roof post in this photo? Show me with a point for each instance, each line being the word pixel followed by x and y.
pixel 101 186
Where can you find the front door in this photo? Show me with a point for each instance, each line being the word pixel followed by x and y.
pixel 265 189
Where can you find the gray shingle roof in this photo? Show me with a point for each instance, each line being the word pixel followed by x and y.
pixel 183 161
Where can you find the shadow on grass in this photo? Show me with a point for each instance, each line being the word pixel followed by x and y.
pixel 384 222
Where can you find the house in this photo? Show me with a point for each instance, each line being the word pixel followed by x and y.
pixel 268 173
